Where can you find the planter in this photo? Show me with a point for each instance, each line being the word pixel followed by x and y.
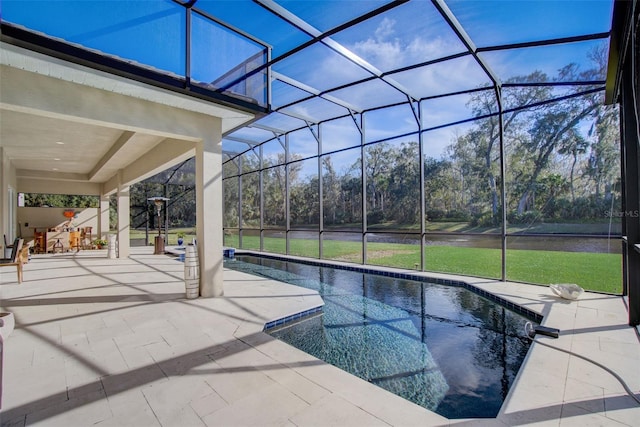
pixel 191 272
pixel 111 243
pixel 7 323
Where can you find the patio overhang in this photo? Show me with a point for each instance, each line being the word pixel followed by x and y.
pixel 64 123
pixel 70 129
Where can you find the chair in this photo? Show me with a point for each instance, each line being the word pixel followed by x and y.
pixel 85 237
pixel 39 239
pixel 74 240
pixel 18 257
pixel 6 246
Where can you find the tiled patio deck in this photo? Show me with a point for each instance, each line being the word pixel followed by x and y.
pixel 112 342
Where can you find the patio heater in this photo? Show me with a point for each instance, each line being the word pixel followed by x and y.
pixel 159 240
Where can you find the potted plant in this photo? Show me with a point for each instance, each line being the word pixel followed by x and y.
pixel 100 243
pixel 180 235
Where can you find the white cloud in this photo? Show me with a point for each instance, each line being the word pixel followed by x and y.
pixel 385 29
pixel 385 55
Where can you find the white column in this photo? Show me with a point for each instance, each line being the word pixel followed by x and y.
pixel 103 218
pixel 123 221
pixel 209 214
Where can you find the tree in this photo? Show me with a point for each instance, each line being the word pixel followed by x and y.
pixel 478 150
pixel 331 192
pixel 377 169
pixel 439 199
pixel 553 128
pixel 539 138
pixel 575 145
pixel 404 183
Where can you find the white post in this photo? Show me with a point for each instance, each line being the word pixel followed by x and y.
pixel 103 218
pixel 209 213
pixel 123 221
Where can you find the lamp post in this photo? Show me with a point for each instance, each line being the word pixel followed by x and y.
pixel 159 241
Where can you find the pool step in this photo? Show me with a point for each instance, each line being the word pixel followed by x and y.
pixel 293 318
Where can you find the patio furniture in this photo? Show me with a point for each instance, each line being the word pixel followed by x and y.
pixel 18 257
pixel 39 238
pixel 57 241
pixel 7 247
pixel 74 240
pixel 85 237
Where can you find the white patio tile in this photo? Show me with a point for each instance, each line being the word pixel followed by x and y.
pixel 238 383
pixel 171 400
pixel 208 404
pixel 87 409
pixel 270 406
pixel 136 357
pixel 132 379
pixel 584 395
pixel 575 415
pixel 130 408
pixel 140 417
pixel 623 408
pixel 333 410
pixel 591 374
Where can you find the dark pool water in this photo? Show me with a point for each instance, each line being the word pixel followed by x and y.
pixel 442 347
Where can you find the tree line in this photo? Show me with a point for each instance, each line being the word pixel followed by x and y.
pixel 562 164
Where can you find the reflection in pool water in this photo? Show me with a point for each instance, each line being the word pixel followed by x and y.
pixel 442 347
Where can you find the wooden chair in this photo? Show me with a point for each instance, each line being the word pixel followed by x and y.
pixel 39 242
pixel 74 240
pixel 85 237
pixel 6 245
pixel 18 257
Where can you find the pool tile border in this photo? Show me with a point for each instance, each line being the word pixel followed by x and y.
pixel 292 318
pixel 532 315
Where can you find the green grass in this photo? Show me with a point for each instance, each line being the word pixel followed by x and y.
pixel 593 271
pixel 172 237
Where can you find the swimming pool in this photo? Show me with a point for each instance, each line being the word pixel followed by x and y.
pixel 443 347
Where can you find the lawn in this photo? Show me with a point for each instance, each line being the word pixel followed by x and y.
pixel 172 238
pixel 593 271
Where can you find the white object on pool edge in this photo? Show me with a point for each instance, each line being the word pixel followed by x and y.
pixel 567 290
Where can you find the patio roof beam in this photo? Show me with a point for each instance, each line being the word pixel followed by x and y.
pixel 273 130
pixel 302 117
pixel 334 45
pixel 118 146
pixel 464 37
pixel 242 140
pixel 547 42
pixel 313 91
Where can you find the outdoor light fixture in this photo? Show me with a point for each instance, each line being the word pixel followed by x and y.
pixel 159 243
pixel 158 201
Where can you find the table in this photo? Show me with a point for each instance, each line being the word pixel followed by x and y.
pixel 52 238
